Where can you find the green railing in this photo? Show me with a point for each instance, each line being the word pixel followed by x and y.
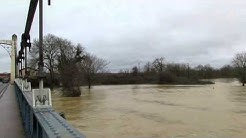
pixel 40 120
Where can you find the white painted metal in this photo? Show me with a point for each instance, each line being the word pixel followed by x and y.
pixel 26 86
pixel 41 98
pixel 13 44
pixel 6 42
pixel 13 57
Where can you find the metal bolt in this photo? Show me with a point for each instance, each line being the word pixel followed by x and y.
pixel 52 129
pixel 56 133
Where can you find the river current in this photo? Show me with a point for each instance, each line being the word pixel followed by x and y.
pixel 145 111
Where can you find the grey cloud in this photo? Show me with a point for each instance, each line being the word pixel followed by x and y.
pixel 129 32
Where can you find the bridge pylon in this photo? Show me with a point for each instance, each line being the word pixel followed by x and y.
pixel 13 44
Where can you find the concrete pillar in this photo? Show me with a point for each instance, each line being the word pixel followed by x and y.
pixel 13 58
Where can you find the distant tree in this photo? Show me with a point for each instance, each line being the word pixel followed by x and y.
pixel 124 71
pixel 147 67
pixel 177 69
pixel 199 71
pixel 92 65
pixel 205 71
pixel 158 64
pixel 135 70
pixel 208 71
pixel 239 62
pixel 227 71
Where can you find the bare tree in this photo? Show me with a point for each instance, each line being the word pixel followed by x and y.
pixel 68 65
pixel 147 67
pixel 239 62
pixel 92 65
pixel 177 69
pixel 135 70
pixel 159 64
pixel 51 51
pixel 63 58
pixel 227 71
pixel 208 71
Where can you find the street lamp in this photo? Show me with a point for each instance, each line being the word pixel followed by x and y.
pixel 41 62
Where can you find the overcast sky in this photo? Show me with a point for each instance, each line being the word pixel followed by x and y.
pixel 132 32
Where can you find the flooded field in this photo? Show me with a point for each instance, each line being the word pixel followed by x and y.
pixel 137 111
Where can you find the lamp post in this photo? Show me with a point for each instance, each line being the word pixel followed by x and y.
pixel 41 62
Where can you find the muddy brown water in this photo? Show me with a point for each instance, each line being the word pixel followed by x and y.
pixel 173 111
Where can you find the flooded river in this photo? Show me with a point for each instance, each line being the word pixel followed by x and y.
pixel 145 111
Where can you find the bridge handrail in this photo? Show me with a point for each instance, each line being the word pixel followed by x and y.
pixel 42 122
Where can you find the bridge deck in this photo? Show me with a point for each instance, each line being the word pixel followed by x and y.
pixel 10 119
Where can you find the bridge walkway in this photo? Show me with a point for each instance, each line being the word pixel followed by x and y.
pixel 10 118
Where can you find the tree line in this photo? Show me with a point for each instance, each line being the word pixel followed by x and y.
pixel 69 65
pixel 163 72
pixel 160 71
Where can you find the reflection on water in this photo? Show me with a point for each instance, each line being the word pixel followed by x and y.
pixel 124 111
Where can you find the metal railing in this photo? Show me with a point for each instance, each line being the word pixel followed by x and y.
pixel 43 121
